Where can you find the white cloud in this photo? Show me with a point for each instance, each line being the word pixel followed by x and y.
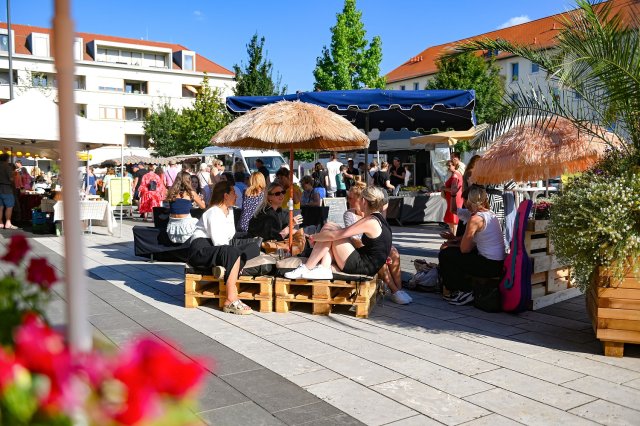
pixel 198 15
pixel 516 20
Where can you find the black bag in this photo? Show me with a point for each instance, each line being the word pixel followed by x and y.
pixel 153 185
pixel 486 296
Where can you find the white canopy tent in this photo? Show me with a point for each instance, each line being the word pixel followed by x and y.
pixel 30 124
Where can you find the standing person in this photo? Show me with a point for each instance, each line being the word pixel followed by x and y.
pixel 396 174
pixel 407 175
pixel 310 195
pixel 89 182
pixel 209 247
pixel 341 186
pixel 204 176
pixel 320 179
pixel 137 179
pixel 171 173
pixel 181 198
pixel 460 166
pixel 7 197
pixel 106 181
pixel 217 168
pixel 151 191
pixel 333 168
pixel 240 187
pixel 453 194
pixel 252 199
pixel 350 174
pixel 381 180
pixel 262 169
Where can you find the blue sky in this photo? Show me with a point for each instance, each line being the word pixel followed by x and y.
pixel 295 30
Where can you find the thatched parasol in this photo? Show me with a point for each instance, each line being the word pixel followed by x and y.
pixel 529 152
pixel 291 126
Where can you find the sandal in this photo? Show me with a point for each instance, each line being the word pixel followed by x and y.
pixel 238 308
pixel 11 227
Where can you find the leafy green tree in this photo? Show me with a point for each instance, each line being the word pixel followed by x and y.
pixel 200 122
pixel 256 77
pixel 348 63
pixel 469 71
pixel 162 126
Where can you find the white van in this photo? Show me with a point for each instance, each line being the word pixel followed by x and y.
pixel 247 157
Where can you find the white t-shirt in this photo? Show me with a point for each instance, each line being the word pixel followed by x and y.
pixel 407 176
pixel 217 226
pixel 333 168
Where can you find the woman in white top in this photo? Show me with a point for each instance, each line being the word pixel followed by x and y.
pixel 479 252
pixel 209 247
pixel 204 177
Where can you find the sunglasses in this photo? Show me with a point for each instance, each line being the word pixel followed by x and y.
pixel 279 193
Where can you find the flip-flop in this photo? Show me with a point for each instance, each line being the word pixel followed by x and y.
pixel 11 227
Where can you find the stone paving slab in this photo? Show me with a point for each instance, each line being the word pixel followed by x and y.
pixel 403 365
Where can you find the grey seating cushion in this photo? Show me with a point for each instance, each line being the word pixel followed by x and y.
pixel 258 266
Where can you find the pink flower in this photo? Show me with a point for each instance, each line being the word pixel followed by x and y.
pixel 40 272
pixel 18 248
pixel 7 370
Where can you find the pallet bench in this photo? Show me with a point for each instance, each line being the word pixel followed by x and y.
pixel 344 289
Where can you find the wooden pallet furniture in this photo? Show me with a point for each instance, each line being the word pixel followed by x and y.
pixel 357 291
pixel 550 279
pixel 614 308
pixel 201 287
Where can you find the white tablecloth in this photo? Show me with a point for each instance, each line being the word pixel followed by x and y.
pixel 97 212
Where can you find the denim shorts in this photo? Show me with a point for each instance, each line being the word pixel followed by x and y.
pixel 7 200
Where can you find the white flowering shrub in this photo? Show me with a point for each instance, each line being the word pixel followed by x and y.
pixel 596 221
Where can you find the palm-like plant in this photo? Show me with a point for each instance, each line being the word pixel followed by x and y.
pixel 595 64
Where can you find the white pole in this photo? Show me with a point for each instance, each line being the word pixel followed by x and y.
pixel 79 332
pixel 121 183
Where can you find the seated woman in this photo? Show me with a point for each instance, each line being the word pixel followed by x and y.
pixel 181 197
pixel 253 197
pixel 333 244
pixel 479 252
pixel 209 247
pixel 310 195
pixel 390 273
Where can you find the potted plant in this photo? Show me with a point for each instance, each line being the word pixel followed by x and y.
pixel 595 223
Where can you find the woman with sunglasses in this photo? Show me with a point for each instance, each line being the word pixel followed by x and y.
pixel 269 221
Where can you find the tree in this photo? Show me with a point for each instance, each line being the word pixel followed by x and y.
pixel 162 126
pixel 200 122
pixel 256 78
pixel 469 71
pixel 348 63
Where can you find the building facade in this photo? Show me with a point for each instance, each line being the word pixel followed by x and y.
pixel 519 74
pixel 118 80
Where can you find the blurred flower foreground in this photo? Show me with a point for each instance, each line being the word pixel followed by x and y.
pixel 42 382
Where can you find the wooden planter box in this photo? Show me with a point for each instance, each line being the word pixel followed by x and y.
pixel 614 308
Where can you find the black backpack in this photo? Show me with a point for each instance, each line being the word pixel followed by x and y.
pixel 153 185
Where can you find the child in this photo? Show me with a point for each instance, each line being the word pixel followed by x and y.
pixel 341 187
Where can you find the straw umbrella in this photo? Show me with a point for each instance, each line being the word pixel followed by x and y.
pixel 293 126
pixel 528 152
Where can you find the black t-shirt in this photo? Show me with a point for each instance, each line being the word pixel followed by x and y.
pixel 265 173
pixel 267 224
pixel 380 179
pixel 318 178
pixel 353 172
pixel 395 181
pixel 139 174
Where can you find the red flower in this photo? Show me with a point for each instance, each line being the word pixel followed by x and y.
pixel 41 273
pixel 18 248
pixel 7 369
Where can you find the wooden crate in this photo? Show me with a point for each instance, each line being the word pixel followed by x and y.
pixel 614 308
pixel 201 288
pixel 322 294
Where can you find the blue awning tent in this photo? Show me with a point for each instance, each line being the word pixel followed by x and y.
pixel 383 109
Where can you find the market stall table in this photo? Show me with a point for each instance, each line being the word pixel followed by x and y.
pixel 417 208
pixel 95 212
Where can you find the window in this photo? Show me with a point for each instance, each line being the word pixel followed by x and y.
pixel 78 49
pixel 515 71
pixel 4 43
pixel 135 141
pixel 187 65
pixel 79 83
pixel 110 113
pixel 40 80
pixel 138 87
pixel 403 87
pixel 40 45
pixel 135 114
pixel 534 67
pixel 416 86
pixel 4 77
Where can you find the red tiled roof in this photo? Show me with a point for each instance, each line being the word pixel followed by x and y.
pixel 540 32
pixel 22 32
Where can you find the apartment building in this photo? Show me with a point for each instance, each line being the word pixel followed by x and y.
pixel 118 80
pixel 517 71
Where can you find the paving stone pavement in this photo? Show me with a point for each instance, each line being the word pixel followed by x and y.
pixel 421 364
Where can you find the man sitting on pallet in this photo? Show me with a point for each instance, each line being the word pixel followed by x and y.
pixel 333 244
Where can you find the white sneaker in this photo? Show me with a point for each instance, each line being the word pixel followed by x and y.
pixel 318 273
pixel 297 273
pixel 399 298
pixel 406 296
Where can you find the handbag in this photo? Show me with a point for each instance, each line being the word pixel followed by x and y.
pixel 152 186
pixel 299 243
